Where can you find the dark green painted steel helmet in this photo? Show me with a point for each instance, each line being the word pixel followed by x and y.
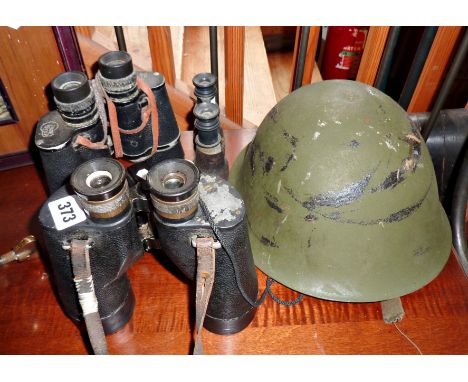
pixel 341 196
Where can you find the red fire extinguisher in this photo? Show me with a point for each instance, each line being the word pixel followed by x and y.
pixel 342 52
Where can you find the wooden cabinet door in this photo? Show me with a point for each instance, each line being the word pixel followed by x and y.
pixel 29 59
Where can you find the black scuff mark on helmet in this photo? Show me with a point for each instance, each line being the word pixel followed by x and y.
pixel 391 181
pixel 268 165
pixel 273 203
pixel 273 114
pixel 285 166
pixel 346 196
pixel 395 216
pixel 354 144
pixel 293 141
pixel 382 110
pixel 421 251
pixel 261 158
pixel 402 214
pixel 252 151
pixel 264 240
pixel 310 218
pixel 291 194
pixel 309 243
pixel 267 242
pixel 333 215
pixel 408 165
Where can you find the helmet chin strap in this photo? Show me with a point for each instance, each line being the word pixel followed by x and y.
pixel 392 310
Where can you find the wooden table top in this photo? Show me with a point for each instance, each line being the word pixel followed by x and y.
pixel 32 322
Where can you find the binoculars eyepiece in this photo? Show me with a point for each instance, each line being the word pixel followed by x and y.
pixel 173 188
pixel 205 87
pixel 102 187
pixel 115 65
pixel 74 98
pixel 118 77
pixel 71 87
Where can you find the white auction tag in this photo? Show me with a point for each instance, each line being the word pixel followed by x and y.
pixel 66 212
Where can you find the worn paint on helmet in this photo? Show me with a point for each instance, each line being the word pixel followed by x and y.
pixel 341 196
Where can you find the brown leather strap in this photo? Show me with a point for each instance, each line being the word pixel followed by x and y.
pixel 205 280
pixel 146 112
pixel 154 112
pixel 114 127
pixel 84 141
pixel 85 287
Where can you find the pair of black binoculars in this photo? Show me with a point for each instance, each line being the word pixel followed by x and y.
pixel 121 112
pixel 100 208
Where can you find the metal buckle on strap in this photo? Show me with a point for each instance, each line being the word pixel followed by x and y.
pixel 214 245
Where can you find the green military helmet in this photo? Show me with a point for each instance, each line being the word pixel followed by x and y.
pixel 341 196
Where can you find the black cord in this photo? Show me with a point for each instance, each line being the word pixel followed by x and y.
pixel 269 282
pixel 275 298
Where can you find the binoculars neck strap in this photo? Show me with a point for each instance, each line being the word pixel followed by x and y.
pixel 146 112
pixel 85 288
pixel 205 279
